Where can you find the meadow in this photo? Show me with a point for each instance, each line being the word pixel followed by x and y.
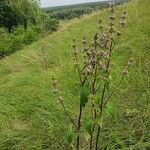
pixel 30 115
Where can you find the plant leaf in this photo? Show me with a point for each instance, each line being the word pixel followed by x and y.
pixel 86 136
pixel 84 93
pixel 89 125
pixel 111 109
pixel 71 136
pixel 100 121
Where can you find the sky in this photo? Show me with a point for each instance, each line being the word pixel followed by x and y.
pixel 49 3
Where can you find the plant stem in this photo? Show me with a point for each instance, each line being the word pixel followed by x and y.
pixel 93 92
pixel 93 128
pixel 103 94
pixel 78 127
pixel 101 110
pixel 66 112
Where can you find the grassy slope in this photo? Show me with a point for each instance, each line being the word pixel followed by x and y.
pixel 29 115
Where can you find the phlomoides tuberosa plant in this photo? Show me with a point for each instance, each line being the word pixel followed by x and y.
pixel 93 65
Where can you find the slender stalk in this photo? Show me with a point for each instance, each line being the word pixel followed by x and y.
pixel 93 92
pixel 69 116
pixel 101 110
pixel 103 93
pixel 78 127
pixel 93 128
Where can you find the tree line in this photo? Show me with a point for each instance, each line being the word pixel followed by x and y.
pixel 78 10
pixel 21 23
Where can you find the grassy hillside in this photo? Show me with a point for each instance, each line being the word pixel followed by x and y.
pixel 30 117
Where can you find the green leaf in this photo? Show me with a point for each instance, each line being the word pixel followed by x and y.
pixel 97 99
pixel 71 136
pixel 86 136
pixel 111 109
pixel 84 93
pixel 89 125
pixel 99 121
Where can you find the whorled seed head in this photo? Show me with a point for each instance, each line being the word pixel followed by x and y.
pixel 89 69
pixel 74 43
pixel 100 21
pixel 125 71
pixel 54 85
pixel 84 40
pixel 111 6
pixel 130 62
pixel 60 99
pixel 55 91
pixel 112 23
pixel 100 27
pixel 123 23
pixel 112 17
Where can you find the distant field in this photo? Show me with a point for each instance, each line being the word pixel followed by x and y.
pixel 30 117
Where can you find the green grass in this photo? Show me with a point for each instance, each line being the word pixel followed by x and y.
pixel 30 117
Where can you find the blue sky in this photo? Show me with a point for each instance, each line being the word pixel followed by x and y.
pixel 47 3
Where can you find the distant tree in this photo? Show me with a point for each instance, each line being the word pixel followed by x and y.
pixel 14 12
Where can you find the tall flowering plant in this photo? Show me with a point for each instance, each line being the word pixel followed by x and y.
pixel 93 66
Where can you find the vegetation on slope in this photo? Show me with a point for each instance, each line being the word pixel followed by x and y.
pixel 30 117
pixel 21 23
pixel 78 10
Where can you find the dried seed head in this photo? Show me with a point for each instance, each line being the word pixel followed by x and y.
pixel 84 41
pixel 60 99
pixel 112 17
pixel 89 69
pixel 74 43
pixel 100 21
pixel 54 91
pixel 125 13
pixel 102 53
pixel 130 62
pixel 111 4
pixel 96 37
pixel 54 85
pixel 112 23
pixel 125 71
pixel 100 27
pixel 123 23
